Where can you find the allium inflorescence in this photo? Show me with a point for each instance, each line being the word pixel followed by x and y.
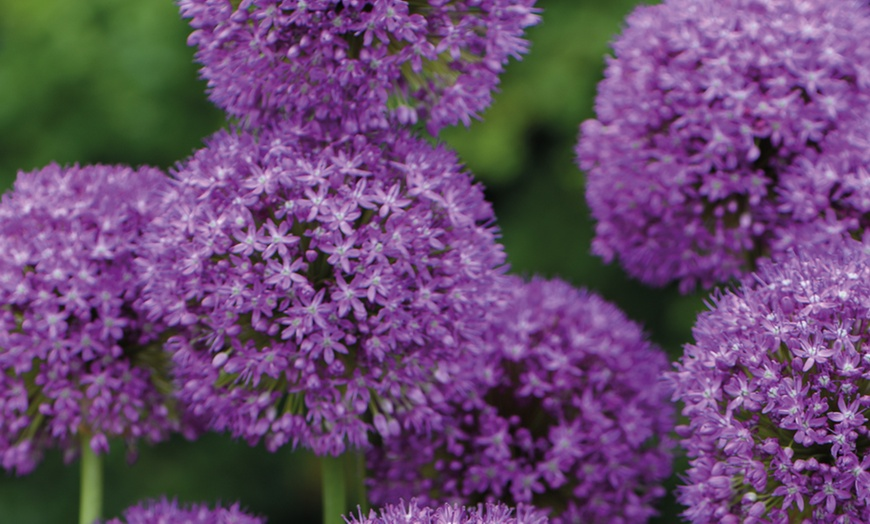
pixel 363 62
pixel 414 513
pixel 78 361
pixel 163 511
pixel 776 391
pixel 320 281
pixel 711 113
pixel 566 411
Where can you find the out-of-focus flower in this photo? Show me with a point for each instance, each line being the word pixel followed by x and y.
pixel 77 361
pixel 776 394
pixel 319 282
pixel 566 412
pixel 163 511
pixel 356 61
pixel 412 512
pixel 711 114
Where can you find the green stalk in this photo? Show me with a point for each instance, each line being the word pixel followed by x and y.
pixel 91 501
pixel 359 470
pixel 334 489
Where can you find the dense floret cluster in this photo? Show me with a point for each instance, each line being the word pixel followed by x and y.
pixel 77 360
pixel 320 281
pixel 566 411
pixel 412 512
pixel 711 112
pixel 363 63
pixel 169 512
pixel 831 198
pixel 776 391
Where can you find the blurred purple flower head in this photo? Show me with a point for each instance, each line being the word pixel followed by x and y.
pixel 355 61
pixel 413 513
pixel 78 361
pixel 567 412
pixel 710 115
pixel 776 394
pixel 319 281
pixel 163 511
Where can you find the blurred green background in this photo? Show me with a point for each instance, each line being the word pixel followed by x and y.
pixel 113 81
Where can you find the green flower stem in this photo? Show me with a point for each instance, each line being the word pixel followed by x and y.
pixel 359 475
pixel 334 489
pixel 91 501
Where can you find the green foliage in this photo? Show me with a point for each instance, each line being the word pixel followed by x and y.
pixel 109 81
pixel 548 93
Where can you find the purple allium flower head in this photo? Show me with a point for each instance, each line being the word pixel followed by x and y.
pixel 414 513
pixel 776 394
pixel 78 361
pixel 320 281
pixel 709 114
pixel 360 62
pixel 567 412
pixel 163 511
pixel 831 197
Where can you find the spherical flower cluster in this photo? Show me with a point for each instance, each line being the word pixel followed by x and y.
pixel 831 197
pixel 491 513
pixel 320 281
pixel 359 62
pixel 708 114
pixel 78 361
pixel 776 391
pixel 566 411
pixel 165 512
